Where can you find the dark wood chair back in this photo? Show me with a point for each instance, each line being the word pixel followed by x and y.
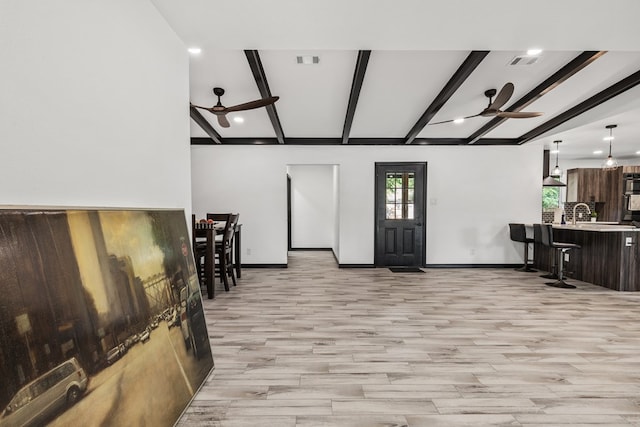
pixel 221 217
pixel 231 230
pixel 218 217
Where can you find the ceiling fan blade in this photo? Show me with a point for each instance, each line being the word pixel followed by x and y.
pixel 439 123
pixel 470 117
pixel 502 97
pixel 449 121
pixel 222 120
pixel 518 115
pixel 253 104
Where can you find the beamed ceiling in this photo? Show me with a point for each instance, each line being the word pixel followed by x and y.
pixel 392 89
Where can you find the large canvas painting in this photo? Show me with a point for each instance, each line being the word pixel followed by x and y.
pixel 101 318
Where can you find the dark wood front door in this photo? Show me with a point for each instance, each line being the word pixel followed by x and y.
pixel 400 214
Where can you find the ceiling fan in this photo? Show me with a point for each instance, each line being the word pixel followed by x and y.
pixel 221 111
pixel 493 109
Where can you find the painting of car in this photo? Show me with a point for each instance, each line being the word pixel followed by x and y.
pixel 70 318
pixel 116 353
pixel 145 335
pixel 37 401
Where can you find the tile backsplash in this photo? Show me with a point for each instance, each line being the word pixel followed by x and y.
pixel 547 217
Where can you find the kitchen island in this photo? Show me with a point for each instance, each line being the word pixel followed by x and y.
pixel 609 254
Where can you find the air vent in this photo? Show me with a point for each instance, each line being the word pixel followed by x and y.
pixel 521 60
pixel 307 59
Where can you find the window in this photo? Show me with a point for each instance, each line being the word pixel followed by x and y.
pixel 550 198
pixel 400 192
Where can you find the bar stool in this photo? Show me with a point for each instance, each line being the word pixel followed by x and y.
pixel 518 233
pixel 541 237
pixel 561 248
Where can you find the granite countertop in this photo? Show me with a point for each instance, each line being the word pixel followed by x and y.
pixel 597 226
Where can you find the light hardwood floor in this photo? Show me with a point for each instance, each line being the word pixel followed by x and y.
pixel 314 345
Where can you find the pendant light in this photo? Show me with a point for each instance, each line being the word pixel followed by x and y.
pixel 556 172
pixel 610 163
pixel 552 180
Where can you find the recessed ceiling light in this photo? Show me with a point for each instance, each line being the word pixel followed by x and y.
pixel 194 50
pixel 637 152
pixel 458 121
pixel 238 119
pixel 608 138
pixel 554 151
pixel 534 52
pixel 597 152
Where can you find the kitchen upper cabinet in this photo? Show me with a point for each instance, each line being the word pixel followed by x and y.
pixel 572 185
pixel 598 185
pixel 585 185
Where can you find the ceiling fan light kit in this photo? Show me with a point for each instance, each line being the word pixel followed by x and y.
pixel 220 111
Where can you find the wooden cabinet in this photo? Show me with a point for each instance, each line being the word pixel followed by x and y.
pixel 598 185
pixel 585 185
pixel 631 169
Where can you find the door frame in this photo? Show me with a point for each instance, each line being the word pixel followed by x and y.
pixel 289 212
pixel 423 256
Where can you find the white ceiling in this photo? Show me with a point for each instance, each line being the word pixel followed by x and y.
pixel 416 47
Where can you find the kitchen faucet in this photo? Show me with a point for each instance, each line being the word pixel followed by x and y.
pixel 574 210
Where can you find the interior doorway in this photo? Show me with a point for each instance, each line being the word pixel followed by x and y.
pixel 400 213
pixel 312 207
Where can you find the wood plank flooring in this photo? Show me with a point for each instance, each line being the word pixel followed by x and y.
pixel 314 345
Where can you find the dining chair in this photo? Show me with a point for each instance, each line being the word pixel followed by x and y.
pixel 224 249
pixel 196 247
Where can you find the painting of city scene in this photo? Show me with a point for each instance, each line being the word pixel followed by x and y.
pixel 101 318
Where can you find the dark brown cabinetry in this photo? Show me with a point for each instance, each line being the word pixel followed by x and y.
pixel 609 259
pixel 598 185
pixel 583 185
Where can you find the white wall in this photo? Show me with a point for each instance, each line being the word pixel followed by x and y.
pixel 313 215
pixel 93 105
pixel 473 193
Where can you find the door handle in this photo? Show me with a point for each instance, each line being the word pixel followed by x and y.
pixel 418 224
